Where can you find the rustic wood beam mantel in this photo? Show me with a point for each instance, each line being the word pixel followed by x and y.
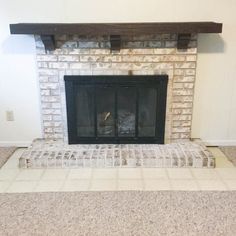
pixel 116 30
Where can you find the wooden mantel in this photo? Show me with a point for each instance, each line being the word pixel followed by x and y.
pixel 115 30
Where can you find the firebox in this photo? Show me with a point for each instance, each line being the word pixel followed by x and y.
pixel 116 109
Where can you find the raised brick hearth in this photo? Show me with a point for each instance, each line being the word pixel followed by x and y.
pixel 140 55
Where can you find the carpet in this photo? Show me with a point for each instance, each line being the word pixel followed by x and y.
pixel 119 213
pixel 5 153
pixel 230 153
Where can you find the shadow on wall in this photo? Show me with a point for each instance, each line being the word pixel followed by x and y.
pixel 25 44
pixel 211 43
pixel 18 44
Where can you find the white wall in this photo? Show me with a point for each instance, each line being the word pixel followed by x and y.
pixel 215 99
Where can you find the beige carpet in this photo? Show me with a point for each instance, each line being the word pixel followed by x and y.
pixel 5 153
pixel 119 213
pixel 230 153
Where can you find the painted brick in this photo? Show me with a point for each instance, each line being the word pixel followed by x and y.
pixel 80 66
pixel 47 117
pixel 44 92
pixel 50 98
pixel 56 105
pixel 52 124
pixel 182 79
pixel 58 65
pixel 68 58
pixel 182 105
pixel 152 54
pixel 182 92
pixel 181 129
pixel 46 58
pixel 182 117
pixel 170 44
pixel 190 72
pixel 42 64
pixel 191 58
pixel 88 44
pixel 181 123
pixel 185 65
pixel 55 92
pixel 69 44
pixel 51 111
pixel 152 44
pixel 48 72
pixel 49 85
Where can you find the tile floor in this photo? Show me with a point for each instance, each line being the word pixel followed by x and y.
pixel 13 179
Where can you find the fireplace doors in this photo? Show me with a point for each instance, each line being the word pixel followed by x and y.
pixel 116 109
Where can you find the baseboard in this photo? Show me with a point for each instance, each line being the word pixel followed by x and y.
pixel 15 143
pixel 219 142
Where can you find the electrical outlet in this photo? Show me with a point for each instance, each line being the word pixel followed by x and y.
pixel 9 115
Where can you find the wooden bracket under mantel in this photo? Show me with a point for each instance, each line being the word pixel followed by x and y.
pixel 183 41
pixel 115 41
pixel 49 42
pixel 116 30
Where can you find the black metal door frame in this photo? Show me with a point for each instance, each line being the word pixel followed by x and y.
pixel 138 81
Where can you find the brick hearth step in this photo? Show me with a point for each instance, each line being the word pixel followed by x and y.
pixel 56 154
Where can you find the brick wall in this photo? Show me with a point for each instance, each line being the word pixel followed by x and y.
pixel 143 55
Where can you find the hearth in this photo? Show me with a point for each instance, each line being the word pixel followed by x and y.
pixel 116 109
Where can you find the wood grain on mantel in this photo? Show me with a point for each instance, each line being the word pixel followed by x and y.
pixel 116 30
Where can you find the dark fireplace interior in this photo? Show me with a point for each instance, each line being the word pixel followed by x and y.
pixel 116 109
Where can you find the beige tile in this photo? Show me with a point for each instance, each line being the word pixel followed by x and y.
pixel 83 173
pixel 13 161
pixel 227 173
pixel 129 173
pixel 130 185
pixel 55 174
pixel 105 173
pixel 156 184
pixel 187 185
pixel 223 162
pixel 22 187
pixel 17 154
pixel 211 185
pixel 30 174
pixel 154 173
pixel 49 186
pixel 231 184
pixel 179 173
pixel 76 185
pixel 200 173
pixel 4 185
pixel 11 164
pixel 8 174
pixel 216 152
pixel 221 159
pixel 103 185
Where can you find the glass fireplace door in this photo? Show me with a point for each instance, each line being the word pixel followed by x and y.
pixel 116 109
pixel 126 111
pixel 105 110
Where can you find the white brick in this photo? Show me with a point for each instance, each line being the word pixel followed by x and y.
pixel 51 111
pixel 80 66
pixel 50 98
pixel 58 65
pixel 68 58
pixel 44 92
pixel 49 85
pixel 46 58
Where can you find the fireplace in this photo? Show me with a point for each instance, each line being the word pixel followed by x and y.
pixel 116 109
pixel 148 51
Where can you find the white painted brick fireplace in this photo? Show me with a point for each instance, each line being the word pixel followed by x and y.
pixel 140 55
